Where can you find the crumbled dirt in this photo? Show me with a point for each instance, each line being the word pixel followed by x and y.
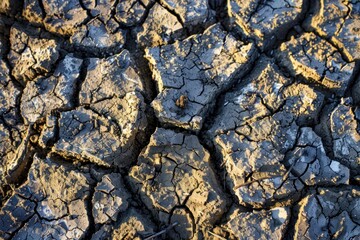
pixel 169 119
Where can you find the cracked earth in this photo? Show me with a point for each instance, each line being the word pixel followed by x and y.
pixel 169 119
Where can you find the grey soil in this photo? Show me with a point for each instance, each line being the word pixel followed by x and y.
pixel 170 119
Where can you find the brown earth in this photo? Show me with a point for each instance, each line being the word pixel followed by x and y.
pixel 169 119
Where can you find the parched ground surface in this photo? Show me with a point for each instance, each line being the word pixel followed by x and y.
pixel 179 119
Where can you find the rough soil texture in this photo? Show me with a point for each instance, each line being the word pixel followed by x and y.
pixel 170 119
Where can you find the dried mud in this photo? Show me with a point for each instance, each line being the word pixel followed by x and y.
pixel 169 119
